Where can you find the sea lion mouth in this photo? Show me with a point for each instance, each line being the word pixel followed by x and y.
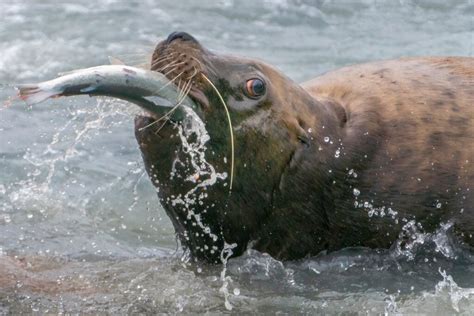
pixel 199 97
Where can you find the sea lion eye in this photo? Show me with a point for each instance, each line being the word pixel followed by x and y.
pixel 255 87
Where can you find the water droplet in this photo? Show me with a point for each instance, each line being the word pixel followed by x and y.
pixel 438 205
pixel 29 216
pixel 236 291
pixel 337 153
pixel 356 192
pixel 326 139
pixel 228 306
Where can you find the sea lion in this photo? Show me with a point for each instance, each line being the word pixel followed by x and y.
pixel 347 159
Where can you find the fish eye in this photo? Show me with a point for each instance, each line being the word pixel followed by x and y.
pixel 255 88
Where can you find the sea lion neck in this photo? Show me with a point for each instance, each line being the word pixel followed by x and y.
pixel 314 118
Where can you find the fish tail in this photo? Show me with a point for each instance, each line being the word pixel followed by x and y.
pixel 34 93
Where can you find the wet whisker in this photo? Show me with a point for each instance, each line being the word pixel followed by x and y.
pixel 174 65
pixel 185 88
pixel 193 75
pixel 182 96
pixel 161 60
pixel 170 82
pixel 198 61
pixel 161 127
pixel 231 130
pixel 171 71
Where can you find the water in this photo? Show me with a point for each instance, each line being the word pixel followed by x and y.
pixel 80 225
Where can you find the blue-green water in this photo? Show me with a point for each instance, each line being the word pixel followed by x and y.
pixel 81 229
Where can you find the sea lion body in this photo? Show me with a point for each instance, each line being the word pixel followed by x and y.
pixel 347 159
pixel 410 127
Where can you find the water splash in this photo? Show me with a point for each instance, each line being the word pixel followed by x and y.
pixel 226 253
pixel 455 293
pixel 194 136
pixel 412 238
pixel 202 174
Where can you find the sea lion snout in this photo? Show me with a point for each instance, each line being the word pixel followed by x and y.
pixel 181 58
pixel 180 35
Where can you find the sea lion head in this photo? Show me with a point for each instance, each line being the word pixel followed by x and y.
pixel 272 122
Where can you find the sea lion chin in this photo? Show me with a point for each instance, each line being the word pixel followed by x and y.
pixel 347 159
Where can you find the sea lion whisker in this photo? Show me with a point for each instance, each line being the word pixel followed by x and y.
pixel 167 115
pixel 194 74
pixel 171 71
pixel 173 64
pixel 148 125
pixel 167 55
pixel 181 94
pixel 198 61
pixel 201 65
pixel 179 84
pixel 230 130
pixel 160 60
pixel 184 92
pixel 181 97
pixel 164 57
pixel 161 69
pixel 161 127
pixel 170 82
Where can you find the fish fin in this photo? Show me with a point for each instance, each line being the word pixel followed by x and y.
pixel 115 61
pixel 33 93
pixel 145 66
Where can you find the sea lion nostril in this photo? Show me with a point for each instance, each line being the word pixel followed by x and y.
pixel 181 35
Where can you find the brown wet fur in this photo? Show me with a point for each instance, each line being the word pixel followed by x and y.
pixel 425 133
pixel 405 127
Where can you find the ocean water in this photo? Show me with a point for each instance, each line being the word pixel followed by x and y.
pixel 81 228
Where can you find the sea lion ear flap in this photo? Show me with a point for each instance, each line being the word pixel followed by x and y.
pixel 302 134
pixel 304 139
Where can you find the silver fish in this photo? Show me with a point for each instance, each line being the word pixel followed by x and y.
pixel 150 90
